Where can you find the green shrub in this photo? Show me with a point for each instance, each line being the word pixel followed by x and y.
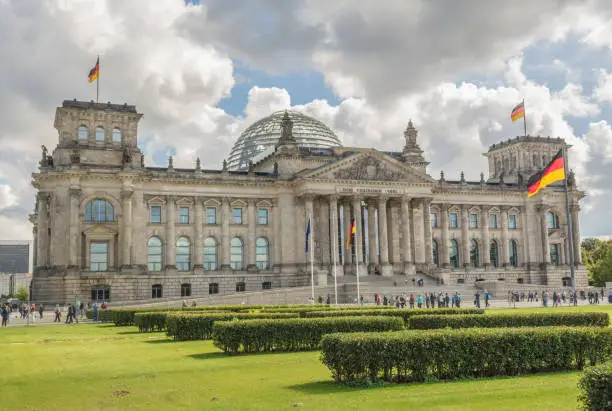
pixel 405 314
pixel 149 322
pixel 105 316
pixel 596 388
pixel 292 334
pixel 417 355
pixel 579 319
pixel 199 326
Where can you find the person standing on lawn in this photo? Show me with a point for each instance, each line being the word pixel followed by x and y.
pixel 58 314
pixel 41 309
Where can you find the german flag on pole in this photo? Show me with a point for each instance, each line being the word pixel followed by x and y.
pixel 554 171
pixel 94 72
pixel 518 112
pixel 351 233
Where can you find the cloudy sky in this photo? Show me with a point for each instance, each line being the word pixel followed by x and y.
pixel 201 71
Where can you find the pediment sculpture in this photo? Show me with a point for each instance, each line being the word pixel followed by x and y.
pixel 368 168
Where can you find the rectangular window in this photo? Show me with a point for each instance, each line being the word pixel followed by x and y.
pixel 493 221
pixel 452 220
pixel 157 291
pixel 266 285
pixel 100 293
pixel 262 213
pixel 211 215
pixel 156 214
pixel 434 220
pixel 554 254
pixel 185 290
pixel 184 215
pixel 237 213
pixel 213 288
pixel 473 220
pixel 240 287
pixel 511 221
pixel 98 256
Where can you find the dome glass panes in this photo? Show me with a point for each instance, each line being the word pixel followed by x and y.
pixel 264 134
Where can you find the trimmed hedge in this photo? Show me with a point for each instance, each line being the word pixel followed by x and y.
pixel 465 353
pixel 105 316
pixel 185 327
pixel 576 319
pixel 596 388
pixel 149 322
pixel 405 314
pixel 292 334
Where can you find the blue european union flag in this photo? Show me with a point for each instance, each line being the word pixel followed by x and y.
pixel 307 234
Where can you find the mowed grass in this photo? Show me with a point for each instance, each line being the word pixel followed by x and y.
pixel 101 367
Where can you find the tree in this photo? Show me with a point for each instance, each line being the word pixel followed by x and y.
pixel 597 256
pixel 22 294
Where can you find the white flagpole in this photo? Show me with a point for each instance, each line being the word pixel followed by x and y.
pixel 357 244
pixel 335 251
pixel 311 251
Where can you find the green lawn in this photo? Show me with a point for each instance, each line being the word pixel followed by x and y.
pixel 93 367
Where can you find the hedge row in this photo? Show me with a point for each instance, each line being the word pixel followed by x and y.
pixel 465 353
pixel 184 327
pixel 575 319
pixel 104 316
pixel 149 322
pixel 405 314
pixel 596 388
pixel 292 334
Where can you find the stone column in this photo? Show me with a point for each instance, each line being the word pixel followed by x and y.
pixel 444 247
pixel 199 241
pixel 427 231
pixel 465 234
pixel 73 249
pixel 251 237
pixel 275 258
pixel 406 237
pixel 575 212
pixel 542 210
pixel 346 222
pixel 140 219
pixel 358 234
pixel 170 233
pixel 334 237
pixel 484 250
pixel 372 252
pixel 226 216
pixel 382 235
pixel 126 249
pixel 42 256
pixel 525 258
pixel 505 247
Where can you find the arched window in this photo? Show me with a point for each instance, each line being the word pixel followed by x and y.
pixel 454 254
pixel 493 254
pixel 116 135
pixel 513 253
pixel 154 254
pixel 99 133
pixel 262 253
pixel 544 161
pixel 99 211
pixel 552 220
pixel 183 255
pixel 535 161
pixel 506 165
pixel 210 254
pixel 474 258
pixel 237 255
pixel 83 133
pixel 434 251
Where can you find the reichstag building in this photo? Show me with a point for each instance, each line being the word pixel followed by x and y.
pixel 108 227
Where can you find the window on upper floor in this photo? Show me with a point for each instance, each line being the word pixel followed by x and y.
pixel 116 135
pixel 452 220
pixel 237 215
pixel 262 214
pixel 473 220
pixel 99 133
pixel 211 215
pixel 83 133
pixel 493 221
pixel 154 254
pixel 512 221
pixel 552 220
pixel 156 214
pixel 183 254
pixel 184 215
pixel 99 211
pixel 434 220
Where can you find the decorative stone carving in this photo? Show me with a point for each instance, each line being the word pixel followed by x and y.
pixel 286 131
pixel 75 157
pixel 170 163
pixel 224 165
pixel 198 166
pixel 251 167
pixel 127 158
pixel 142 164
pixel 442 176
pixel 462 180
pixel 571 179
pixel 368 168
pixel 275 172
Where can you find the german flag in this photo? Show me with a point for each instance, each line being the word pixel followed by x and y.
pixel 94 72
pixel 351 233
pixel 518 112
pixel 554 171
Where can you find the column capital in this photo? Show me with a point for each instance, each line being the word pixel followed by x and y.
pixel 575 208
pixel 383 199
pixel 405 198
pixel 333 197
pixel 75 192
pixel 126 194
pixel 226 200
pixel 251 202
pixel 426 201
pixel 542 207
pixel 355 199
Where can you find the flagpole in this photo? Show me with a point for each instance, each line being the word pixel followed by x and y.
pixel 334 250
pixel 98 80
pixel 357 265
pixel 311 258
pixel 524 118
pixel 570 231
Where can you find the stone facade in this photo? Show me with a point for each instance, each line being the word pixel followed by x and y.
pixel 107 227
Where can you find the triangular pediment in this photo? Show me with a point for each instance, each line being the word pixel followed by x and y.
pixel 370 165
pixel 100 230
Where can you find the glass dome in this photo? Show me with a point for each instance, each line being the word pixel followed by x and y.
pixel 263 135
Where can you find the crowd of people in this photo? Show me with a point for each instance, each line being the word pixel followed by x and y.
pixel 35 312
pixel 557 297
